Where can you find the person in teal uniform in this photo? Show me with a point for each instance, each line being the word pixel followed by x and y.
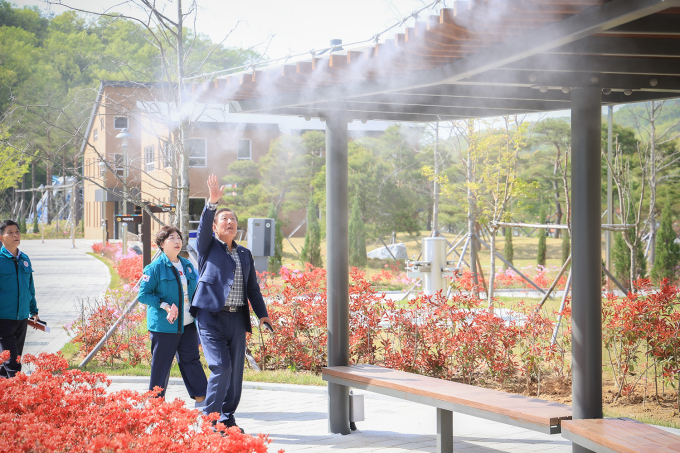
pixel 167 287
pixel 17 297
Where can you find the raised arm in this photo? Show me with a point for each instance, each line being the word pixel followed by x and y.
pixel 205 226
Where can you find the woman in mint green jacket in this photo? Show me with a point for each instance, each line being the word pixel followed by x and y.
pixel 167 287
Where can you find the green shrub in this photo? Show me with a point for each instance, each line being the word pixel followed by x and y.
pixel 311 250
pixel 357 237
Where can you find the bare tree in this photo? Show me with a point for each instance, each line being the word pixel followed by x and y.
pixel 660 156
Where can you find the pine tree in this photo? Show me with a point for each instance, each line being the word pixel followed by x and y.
pixel 541 241
pixel 566 246
pixel 22 225
pixel 311 251
pixel 357 237
pixel 276 260
pixel 508 251
pixel 36 229
pixel 667 255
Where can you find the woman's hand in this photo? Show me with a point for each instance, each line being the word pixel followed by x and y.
pixel 172 313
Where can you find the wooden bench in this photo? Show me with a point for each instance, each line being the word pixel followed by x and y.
pixel 621 435
pixel 449 397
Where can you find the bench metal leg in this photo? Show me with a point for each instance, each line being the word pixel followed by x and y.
pixel 444 431
pixel 338 409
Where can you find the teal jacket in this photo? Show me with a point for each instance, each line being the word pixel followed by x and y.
pixel 159 284
pixel 17 293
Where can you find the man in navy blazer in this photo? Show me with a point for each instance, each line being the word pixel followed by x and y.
pixel 227 282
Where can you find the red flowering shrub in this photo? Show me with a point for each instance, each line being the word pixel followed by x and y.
pixel 59 410
pixel 97 315
pixel 130 268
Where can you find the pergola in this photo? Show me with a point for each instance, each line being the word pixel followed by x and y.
pixel 482 58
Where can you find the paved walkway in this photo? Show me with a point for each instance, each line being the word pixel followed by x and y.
pixel 62 276
pixel 295 419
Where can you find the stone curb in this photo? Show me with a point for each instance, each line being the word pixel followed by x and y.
pixel 250 385
pixel 295 388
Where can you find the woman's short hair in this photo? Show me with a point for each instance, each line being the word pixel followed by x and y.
pixel 164 232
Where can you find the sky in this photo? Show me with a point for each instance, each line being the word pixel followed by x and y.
pixel 296 25
pixel 277 27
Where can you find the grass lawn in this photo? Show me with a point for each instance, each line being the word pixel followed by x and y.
pixel 115 279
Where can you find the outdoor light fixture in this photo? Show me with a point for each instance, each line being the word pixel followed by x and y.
pixel 594 79
pixel 627 92
pixel 653 82
pixel 364 121
pixel 308 118
pixel 532 77
pixel 566 90
pixel 606 91
pixel 543 89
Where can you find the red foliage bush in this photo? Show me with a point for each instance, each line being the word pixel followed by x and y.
pixel 450 339
pixel 59 410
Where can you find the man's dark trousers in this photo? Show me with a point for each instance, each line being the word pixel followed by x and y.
pixel 223 337
pixel 163 348
pixel 12 338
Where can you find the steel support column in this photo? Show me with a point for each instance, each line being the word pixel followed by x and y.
pixel 337 240
pixel 586 138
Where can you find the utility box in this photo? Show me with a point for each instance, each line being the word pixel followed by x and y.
pixel 356 408
pixel 261 241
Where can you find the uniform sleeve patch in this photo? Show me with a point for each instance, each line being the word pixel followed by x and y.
pixel 190 271
pixel 25 264
pixel 145 278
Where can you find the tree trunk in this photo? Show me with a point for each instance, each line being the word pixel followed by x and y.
pixel 183 208
pixel 34 194
pixel 50 199
pixel 558 206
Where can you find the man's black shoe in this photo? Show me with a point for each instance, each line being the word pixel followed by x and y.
pixel 231 421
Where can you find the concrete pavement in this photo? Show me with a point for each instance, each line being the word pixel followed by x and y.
pixel 295 419
pixel 61 275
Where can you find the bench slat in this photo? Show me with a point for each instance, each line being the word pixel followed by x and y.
pixel 507 404
pixel 623 435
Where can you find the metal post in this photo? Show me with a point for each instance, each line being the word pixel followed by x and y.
pixel 337 237
pixel 610 213
pixel 146 238
pixel 586 139
pixel 103 225
pixel 471 220
pixel 435 208
pixel 73 215
pixel 125 193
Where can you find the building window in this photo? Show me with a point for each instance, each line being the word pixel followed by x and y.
pixel 196 149
pixel 120 122
pixel 95 135
pixel 244 150
pixel 196 206
pixel 149 159
pixel 118 164
pixel 168 151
